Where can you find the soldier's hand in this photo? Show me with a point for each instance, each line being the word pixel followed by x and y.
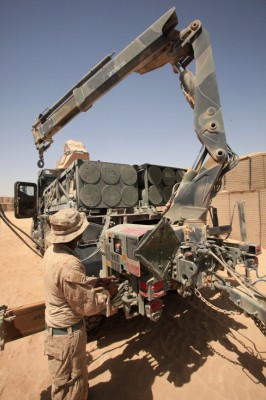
pixel 109 284
pixel 112 288
pixel 107 280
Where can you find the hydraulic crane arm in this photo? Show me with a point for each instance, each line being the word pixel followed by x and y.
pixel 143 54
pixel 160 44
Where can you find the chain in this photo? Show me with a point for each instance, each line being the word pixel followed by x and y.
pixel 223 356
pixel 199 295
pixel 260 325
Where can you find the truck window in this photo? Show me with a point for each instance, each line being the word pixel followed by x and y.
pixel 25 200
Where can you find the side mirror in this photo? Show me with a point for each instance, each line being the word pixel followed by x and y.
pixel 25 204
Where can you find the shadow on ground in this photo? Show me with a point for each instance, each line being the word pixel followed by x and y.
pixel 177 346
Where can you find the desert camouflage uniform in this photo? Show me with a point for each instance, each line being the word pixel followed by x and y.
pixel 69 295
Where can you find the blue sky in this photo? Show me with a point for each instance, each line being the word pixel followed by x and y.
pixel 46 46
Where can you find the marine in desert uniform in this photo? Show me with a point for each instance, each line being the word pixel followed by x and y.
pixel 69 296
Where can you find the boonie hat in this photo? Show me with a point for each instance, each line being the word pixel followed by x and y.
pixel 66 225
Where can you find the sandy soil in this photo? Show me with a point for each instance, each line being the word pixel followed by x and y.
pixel 192 353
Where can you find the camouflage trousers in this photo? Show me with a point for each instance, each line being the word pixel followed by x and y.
pixel 67 364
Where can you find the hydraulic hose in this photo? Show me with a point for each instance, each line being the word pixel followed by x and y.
pixel 15 228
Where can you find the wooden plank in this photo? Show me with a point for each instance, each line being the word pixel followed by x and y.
pixel 23 321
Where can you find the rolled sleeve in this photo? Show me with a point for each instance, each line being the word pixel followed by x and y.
pixel 81 295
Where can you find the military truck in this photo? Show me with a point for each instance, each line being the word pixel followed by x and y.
pixel 148 223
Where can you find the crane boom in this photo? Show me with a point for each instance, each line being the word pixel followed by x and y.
pixel 160 44
pixel 143 54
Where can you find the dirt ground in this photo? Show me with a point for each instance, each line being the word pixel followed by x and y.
pixel 193 352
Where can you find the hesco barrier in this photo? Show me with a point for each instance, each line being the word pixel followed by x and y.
pixel 7 203
pixel 246 182
pixel 250 174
